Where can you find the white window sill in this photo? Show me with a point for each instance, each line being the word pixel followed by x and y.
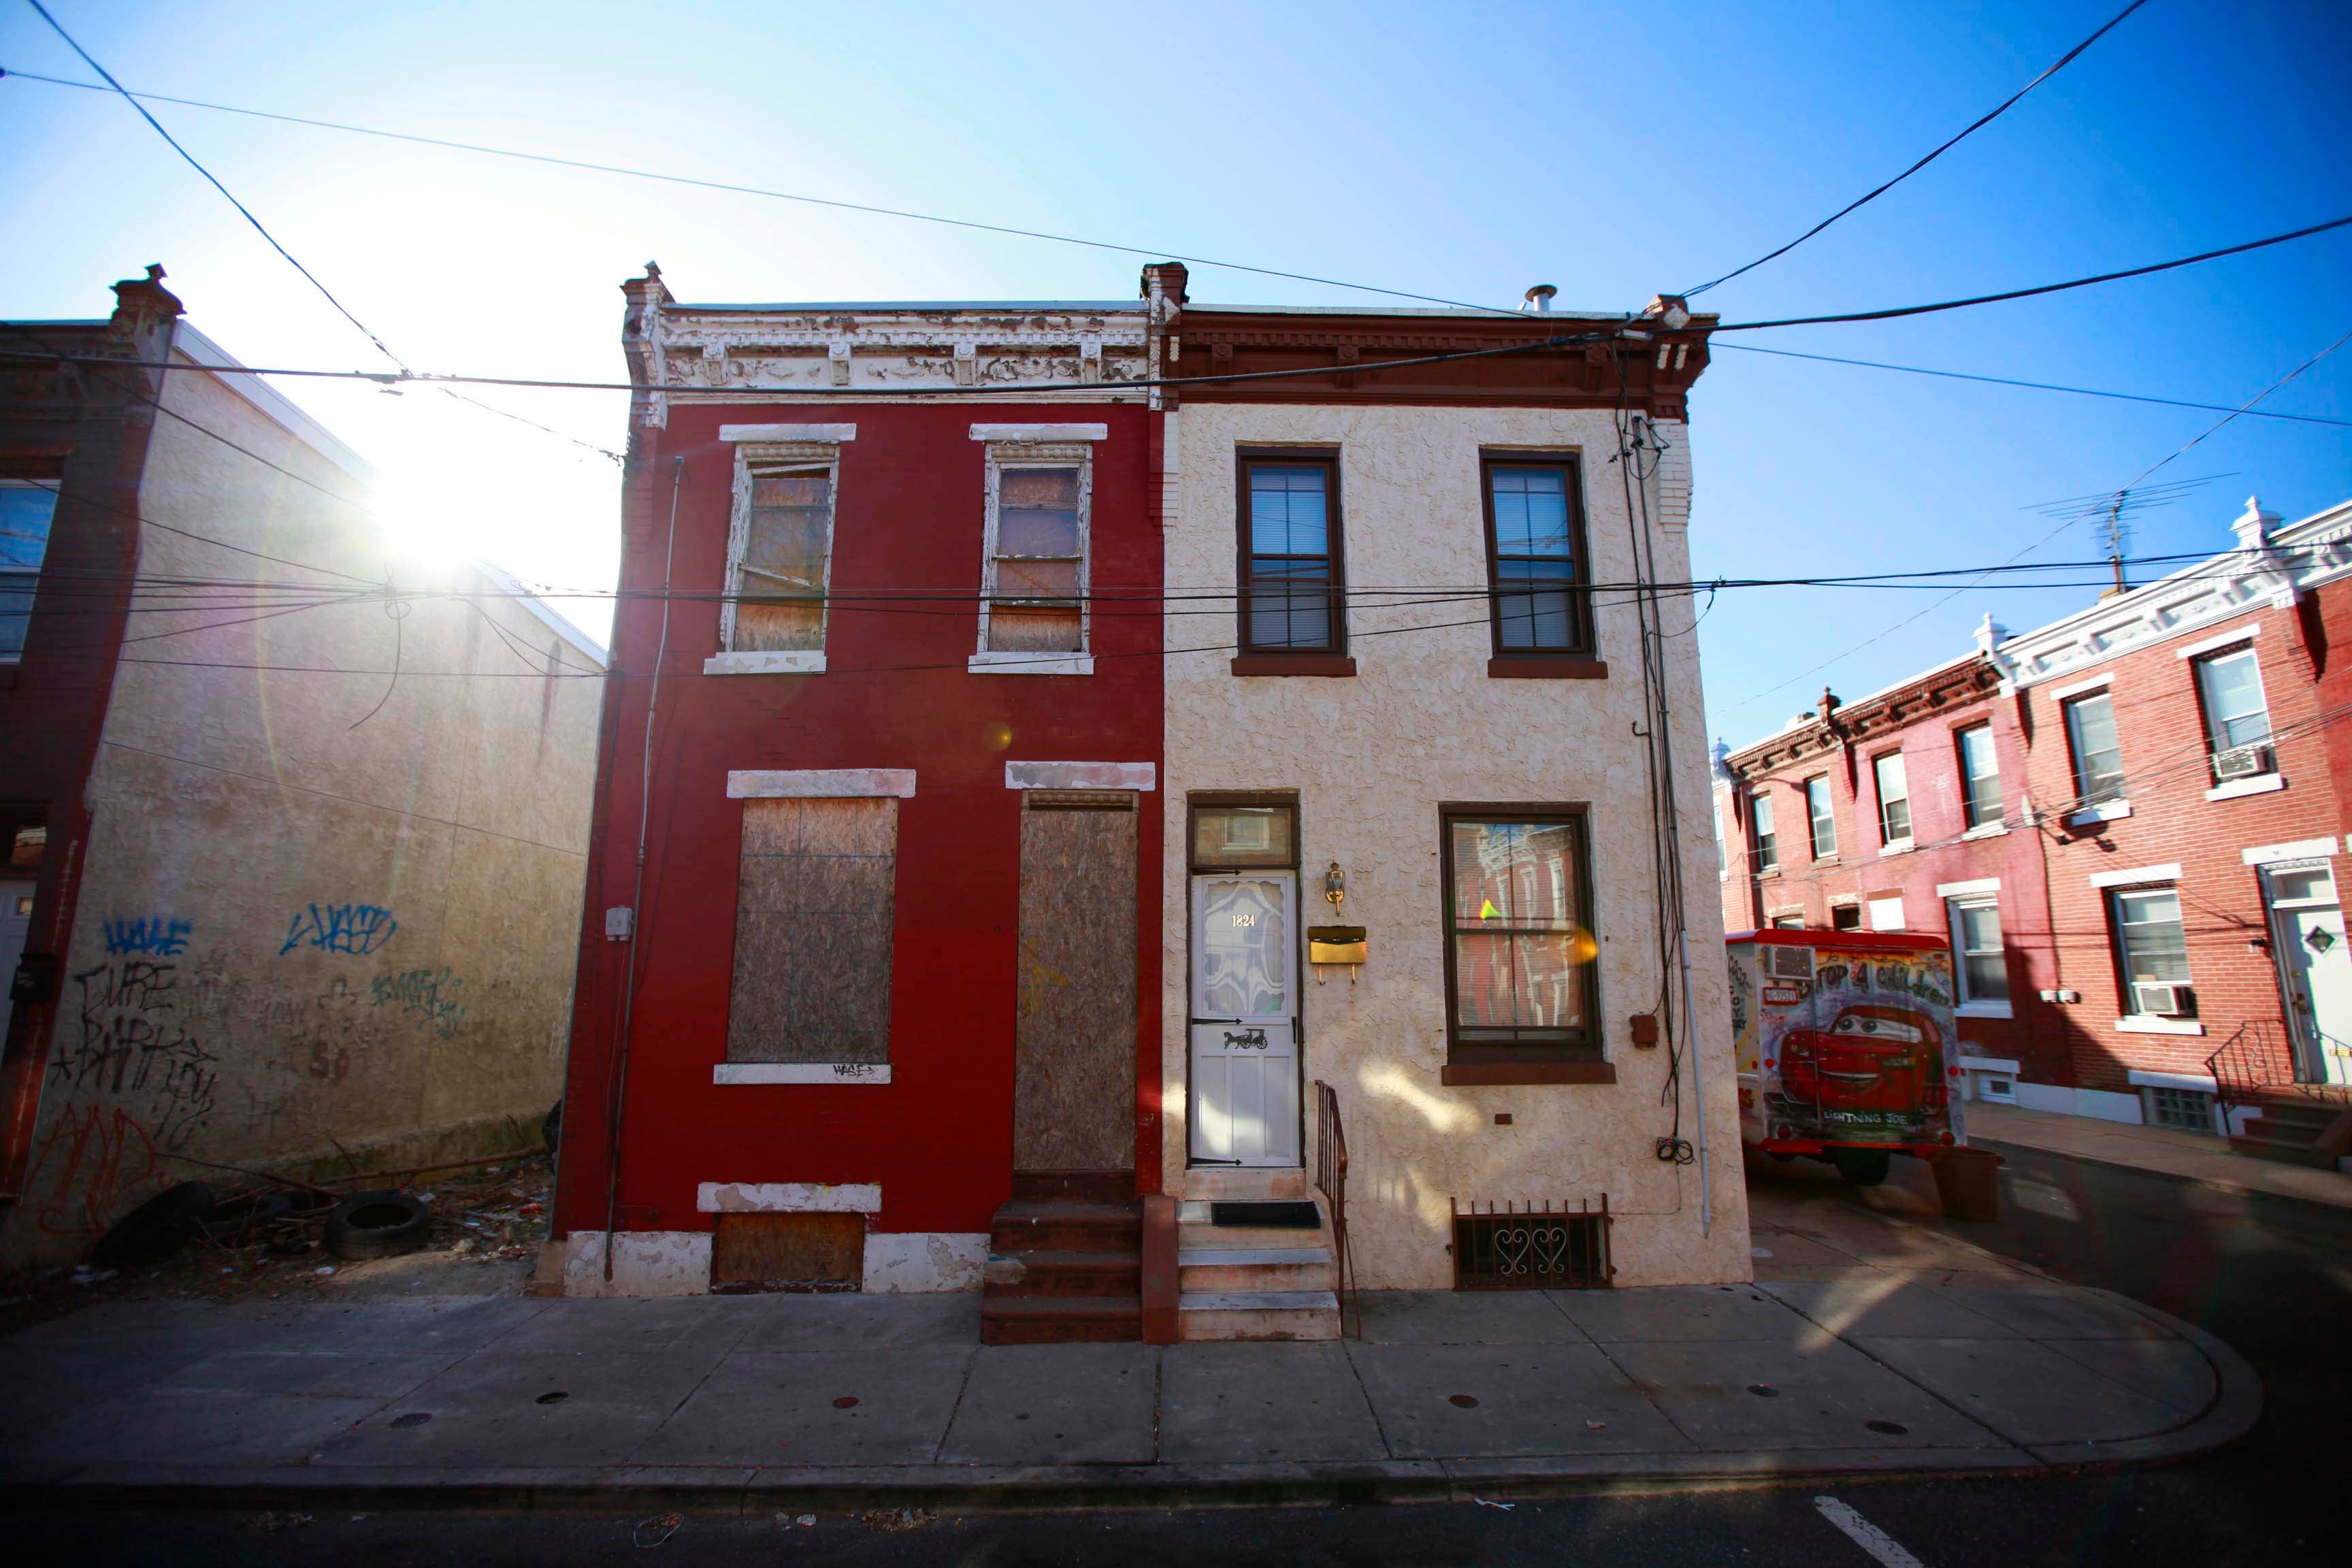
pixel 1983 1010
pixel 2113 811
pixel 800 1072
pixel 1031 664
pixel 1988 1064
pixel 2260 783
pixel 1902 846
pixel 1989 830
pixel 766 661
pixel 2143 1024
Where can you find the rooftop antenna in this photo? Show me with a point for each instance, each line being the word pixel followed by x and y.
pixel 2115 509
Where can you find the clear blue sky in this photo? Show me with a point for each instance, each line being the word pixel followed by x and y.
pixel 1461 151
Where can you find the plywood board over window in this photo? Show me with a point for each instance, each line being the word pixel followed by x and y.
pixel 1073 1037
pixel 813 925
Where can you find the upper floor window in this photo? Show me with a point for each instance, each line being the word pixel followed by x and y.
pixel 2237 720
pixel 780 553
pixel 1980 777
pixel 1534 558
pixel 2098 755
pixel 25 512
pixel 1893 799
pixel 1767 850
pixel 1824 817
pixel 1291 590
pixel 1034 598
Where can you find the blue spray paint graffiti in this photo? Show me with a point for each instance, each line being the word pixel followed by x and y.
pixel 430 994
pixel 340 928
pixel 148 934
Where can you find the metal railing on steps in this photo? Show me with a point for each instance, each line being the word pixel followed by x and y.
pixel 1332 1179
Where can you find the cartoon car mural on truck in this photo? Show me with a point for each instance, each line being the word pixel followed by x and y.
pixel 1845 1046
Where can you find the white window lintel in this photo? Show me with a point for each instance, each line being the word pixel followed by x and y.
pixel 2084 687
pixel 2301 849
pixel 1027 433
pixel 2167 872
pixel 742 435
pixel 820 784
pixel 2142 1078
pixel 766 661
pixel 1988 1064
pixel 2214 645
pixel 1963 889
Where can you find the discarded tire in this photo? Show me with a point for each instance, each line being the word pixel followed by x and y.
pixel 551 1131
pixel 156 1229
pixel 378 1225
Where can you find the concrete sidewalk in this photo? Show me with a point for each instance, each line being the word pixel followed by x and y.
pixel 2167 1150
pixel 1874 1347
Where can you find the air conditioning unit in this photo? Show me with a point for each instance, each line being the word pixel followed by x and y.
pixel 2242 763
pixel 1788 963
pixel 2159 1001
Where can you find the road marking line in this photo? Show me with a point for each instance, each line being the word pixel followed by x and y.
pixel 1866 1535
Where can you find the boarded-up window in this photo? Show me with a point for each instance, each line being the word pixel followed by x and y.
pixel 813 932
pixel 1074 1038
pixel 782 548
pixel 1038 549
pixel 750 1253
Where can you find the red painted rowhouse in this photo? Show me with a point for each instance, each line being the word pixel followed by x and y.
pixel 873 868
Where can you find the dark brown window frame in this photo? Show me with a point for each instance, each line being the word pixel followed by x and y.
pixel 1252 659
pixel 1471 1062
pixel 1579 658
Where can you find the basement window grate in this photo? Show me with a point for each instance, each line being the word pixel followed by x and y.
pixel 1528 1247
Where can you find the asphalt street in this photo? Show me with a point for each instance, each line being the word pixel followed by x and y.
pixel 2272 1277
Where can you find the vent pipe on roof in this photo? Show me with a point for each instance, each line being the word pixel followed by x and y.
pixel 1539 298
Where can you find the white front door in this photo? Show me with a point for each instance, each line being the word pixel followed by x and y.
pixel 1246 1019
pixel 2317 965
pixel 16 920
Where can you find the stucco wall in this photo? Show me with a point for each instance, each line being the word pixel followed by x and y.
pixel 301 925
pixel 1372 757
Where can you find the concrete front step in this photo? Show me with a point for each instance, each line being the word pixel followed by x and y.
pixel 1259 1314
pixel 1218 1269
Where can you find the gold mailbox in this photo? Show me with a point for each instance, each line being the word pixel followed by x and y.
pixel 1334 944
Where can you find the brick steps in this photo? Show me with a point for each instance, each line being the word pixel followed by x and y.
pixel 1064 1261
pixel 2298 1131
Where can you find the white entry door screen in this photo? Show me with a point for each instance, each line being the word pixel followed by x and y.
pixel 1246 1019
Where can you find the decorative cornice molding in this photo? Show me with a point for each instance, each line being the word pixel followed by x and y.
pixel 1939 691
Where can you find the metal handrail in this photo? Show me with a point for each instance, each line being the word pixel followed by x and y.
pixel 2259 1057
pixel 1331 1178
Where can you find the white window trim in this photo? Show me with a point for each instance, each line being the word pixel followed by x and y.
pixel 2084 687
pixel 1989 830
pixel 788 1197
pixel 765 661
pixel 2140 1078
pixel 809 444
pixel 1977 894
pixel 2105 811
pixel 2215 645
pixel 2169 872
pixel 1987 1009
pixel 800 1072
pixel 739 434
pixel 2260 783
pixel 820 784
pixel 1037 447
pixel 1081 775
pixel 2147 1024
pixel 1989 1064
pixel 2301 849
pixel 1963 889
pixel 1900 846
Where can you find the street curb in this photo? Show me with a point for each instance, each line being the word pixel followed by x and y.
pixel 2235 1409
pixel 2208 1182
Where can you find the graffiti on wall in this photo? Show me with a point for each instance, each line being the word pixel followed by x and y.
pixel 428 994
pixel 128 1041
pixel 358 929
pixel 148 934
pixel 89 1162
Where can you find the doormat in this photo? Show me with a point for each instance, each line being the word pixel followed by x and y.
pixel 1287 1215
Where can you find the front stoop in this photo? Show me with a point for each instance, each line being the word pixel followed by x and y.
pixel 1254 1282
pixel 2294 1130
pixel 1064 1261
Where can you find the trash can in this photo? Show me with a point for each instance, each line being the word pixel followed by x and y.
pixel 1969 1183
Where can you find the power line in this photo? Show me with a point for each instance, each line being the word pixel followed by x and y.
pixel 2041 288
pixel 243 210
pixel 2063 61
pixel 2034 385
pixel 766 193
pixel 2045 539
